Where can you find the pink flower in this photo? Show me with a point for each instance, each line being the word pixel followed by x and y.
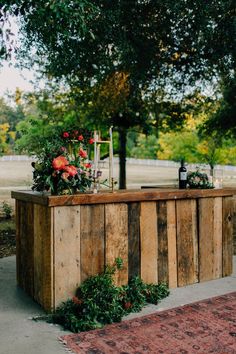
pixel 65 135
pixel 80 137
pixel 91 141
pixel 63 149
pixel 82 153
pixel 65 175
pixel 71 170
pixel 59 163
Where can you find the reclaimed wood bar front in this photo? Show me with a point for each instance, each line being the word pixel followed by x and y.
pixel 177 236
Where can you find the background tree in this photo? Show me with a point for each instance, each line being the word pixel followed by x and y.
pixel 154 43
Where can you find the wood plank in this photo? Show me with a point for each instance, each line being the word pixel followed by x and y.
pixel 92 237
pixel 148 240
pixel 121 196
pixel 163 271
pixel 133 240
pixel 234 224
pixel 227 242
pixel 25 246
pixel 66 252
pixel 116 231
pixel 210 238
pixel 187 242
pixel 217 267
pixel 171 237
pixel 43 256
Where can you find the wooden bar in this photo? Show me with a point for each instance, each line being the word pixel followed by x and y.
pixel 177 236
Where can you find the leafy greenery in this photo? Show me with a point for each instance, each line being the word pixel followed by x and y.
pixel 98 301
pixel 199 180
pixel 7 210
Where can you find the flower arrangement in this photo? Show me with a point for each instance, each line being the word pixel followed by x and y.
pixel 198 180
pixel 62 166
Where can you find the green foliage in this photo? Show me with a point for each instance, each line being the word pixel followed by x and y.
pixel 198 180
pixel 98 301
pixel 7 210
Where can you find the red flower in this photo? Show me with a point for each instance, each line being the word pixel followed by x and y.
pixel 127 305
pixel 75 133
pixel 65 135
pixel 76 300
pixel 71 170
pixel 80 137
pixel 82 153
pixel 87 165
pixel 59 163
pixel 91 141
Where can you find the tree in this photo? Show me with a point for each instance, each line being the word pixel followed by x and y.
pixel 153 43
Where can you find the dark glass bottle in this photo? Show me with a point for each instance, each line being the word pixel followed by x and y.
pixel 182 176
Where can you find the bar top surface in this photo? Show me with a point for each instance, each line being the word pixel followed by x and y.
pixel 120 196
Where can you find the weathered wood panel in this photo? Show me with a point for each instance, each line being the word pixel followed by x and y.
pixel 25 246
pixel 121 196
pixel 92 239
pixel 66 252
pixel 134 239
pixel 210 238
pixel 163 271
pixel 43 256
pixel 234 224
pixel 148 240
pixel 187 241
pixel 116 230
pixel 227 225
pixel 171 237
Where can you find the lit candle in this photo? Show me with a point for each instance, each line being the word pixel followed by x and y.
pixel 111 161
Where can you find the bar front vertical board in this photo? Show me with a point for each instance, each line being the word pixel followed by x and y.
pixel 134 239
pixel 217 241
pixel 187 241
pixel 116 235
pixel 148 241
pixel 171 237
pixel 163 271
pixel 227 236
pixel 25 246
pixel 92 234
pixel 66 252
pixel 43 256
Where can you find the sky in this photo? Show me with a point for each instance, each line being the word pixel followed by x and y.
pixel 11 78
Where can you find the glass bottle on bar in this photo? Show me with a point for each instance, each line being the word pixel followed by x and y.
pixel 182 176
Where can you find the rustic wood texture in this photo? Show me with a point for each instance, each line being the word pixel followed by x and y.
pixel 234 224
pixel 43 256
pixel 163 271
pixel 227 241
pixel 66 252
pixel 92 239
pixel 171 238
pixel 116 230
pixel 187 241
pixel 157 238
pixel 134 240
pixel 148 241
pixel 25 246
pixel 210 238
pixel 121 196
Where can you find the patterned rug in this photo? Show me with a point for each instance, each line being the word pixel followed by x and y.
pixel 203 327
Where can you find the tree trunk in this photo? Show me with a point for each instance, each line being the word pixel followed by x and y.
pixel 122 157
